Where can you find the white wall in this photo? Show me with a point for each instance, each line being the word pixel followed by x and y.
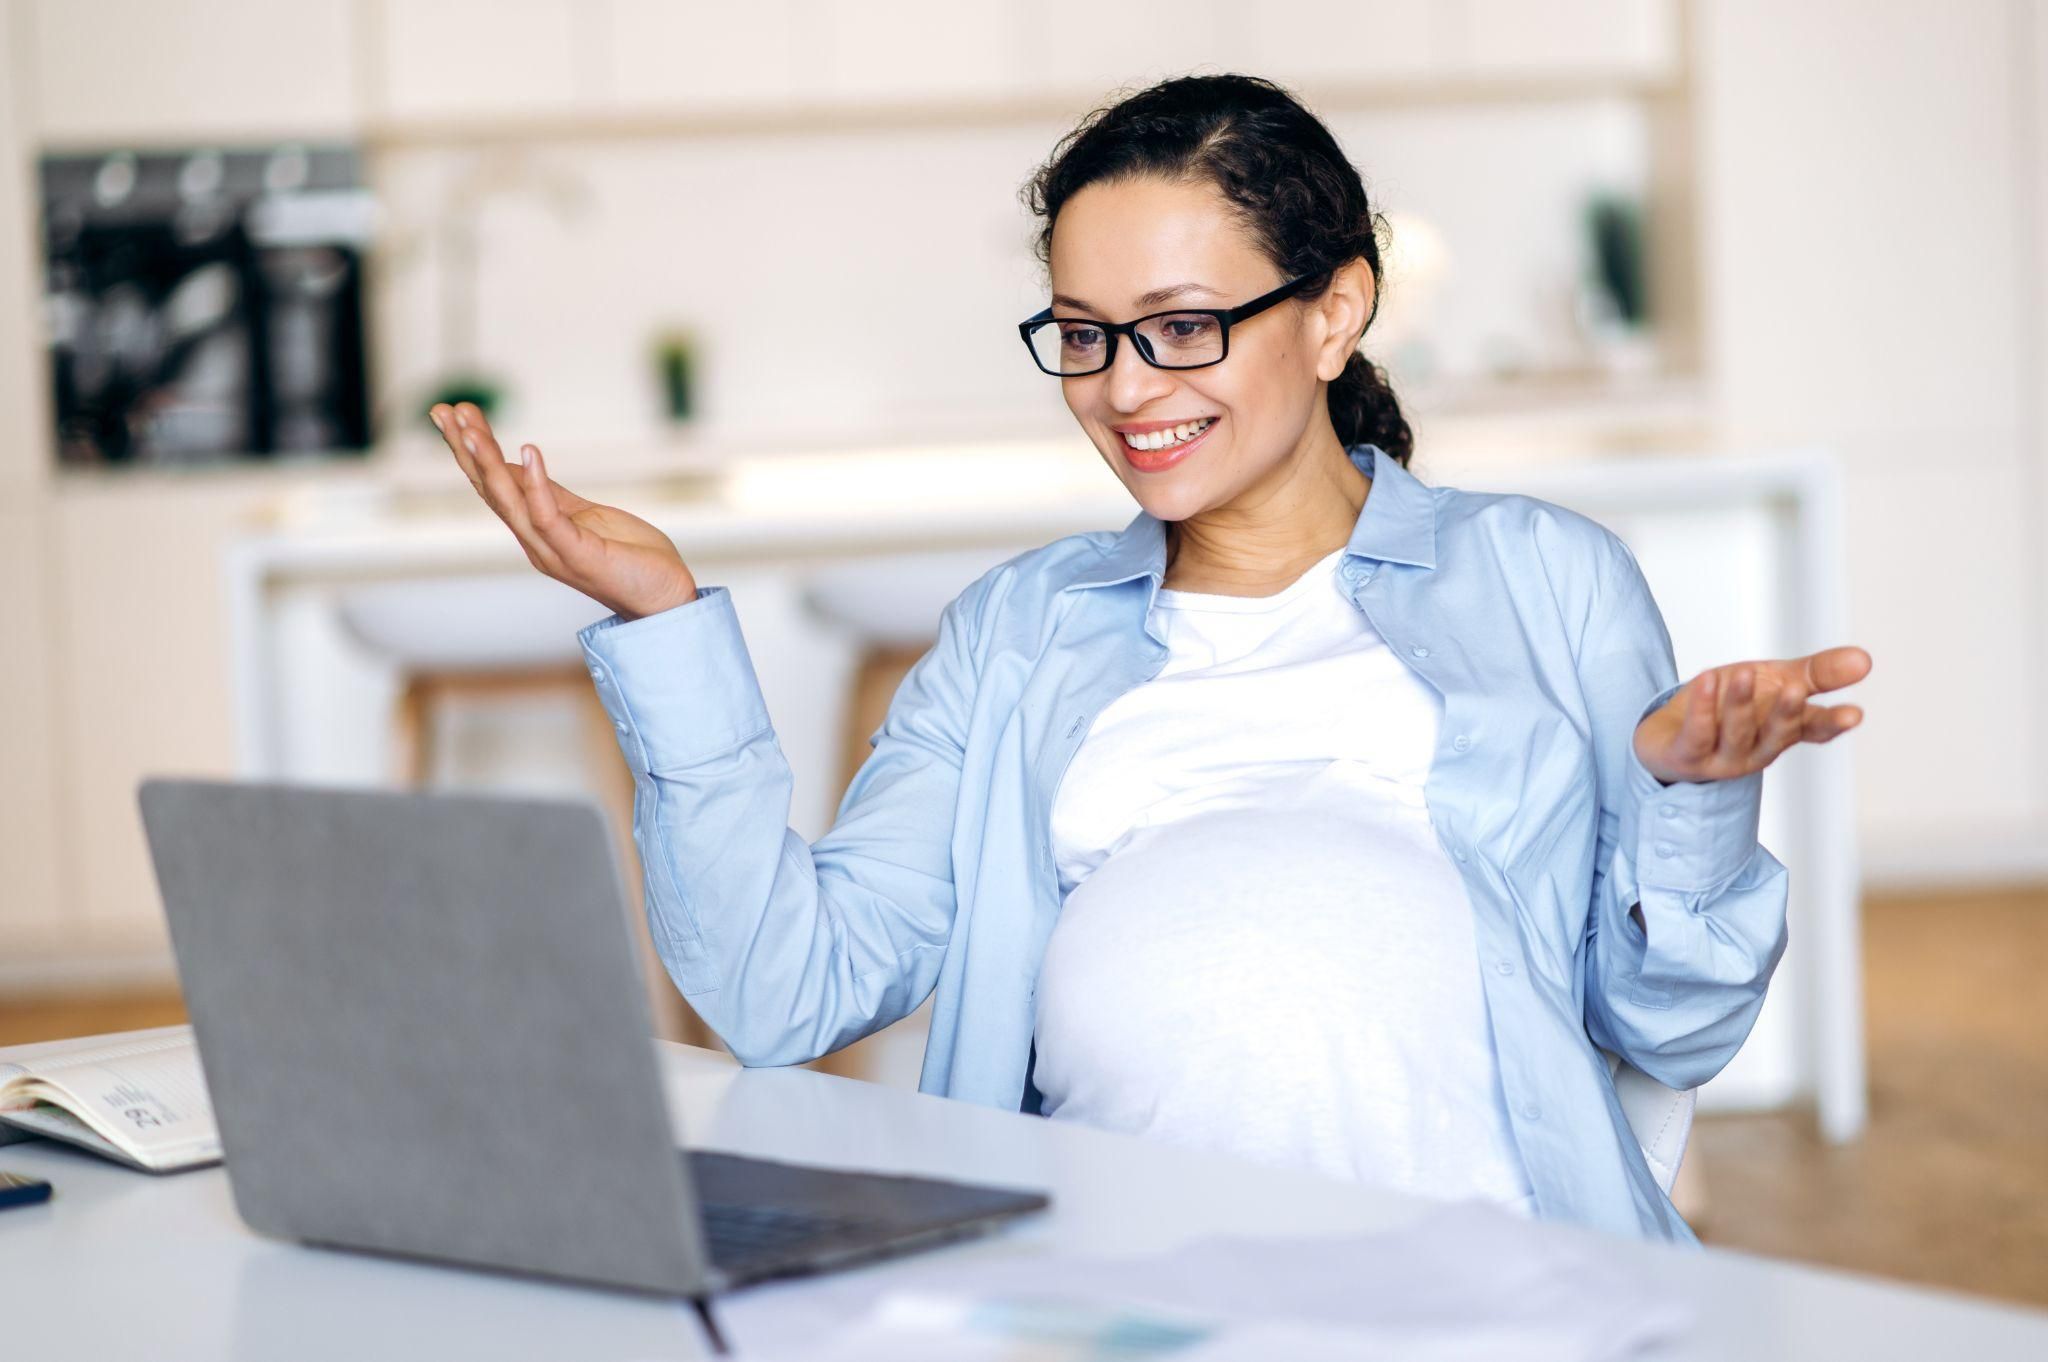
pixel 1869 191
pixel 777 245
pixel 30 861
pixel 1866 175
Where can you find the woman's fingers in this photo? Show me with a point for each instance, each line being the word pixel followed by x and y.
pixel 1834 668
pixel 567 500
pixel 1738 717
pixel 500 486
pixel 1826 722
pixel 444 421
pixel 1829 669
pixel 573 545
pixel 482 446
pixel 1702 726
pixel 462 442
pixel 1784 718
pixel 611 556
pixel 1741 717
pixel 500 481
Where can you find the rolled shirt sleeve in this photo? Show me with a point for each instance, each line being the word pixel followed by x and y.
pixel 1677 995
pixel 1689 835
pixel 787 949
pixel 680 686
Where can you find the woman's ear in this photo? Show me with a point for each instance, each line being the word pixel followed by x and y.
pixel 1346 306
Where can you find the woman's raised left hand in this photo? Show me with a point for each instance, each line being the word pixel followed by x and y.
pixel 1732 720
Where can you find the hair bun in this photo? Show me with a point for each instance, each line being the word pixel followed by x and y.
pixel 1364 410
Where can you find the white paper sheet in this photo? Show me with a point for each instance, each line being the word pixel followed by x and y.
pixel 1466 1282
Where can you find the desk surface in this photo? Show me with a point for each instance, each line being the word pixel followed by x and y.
pixel 162 1268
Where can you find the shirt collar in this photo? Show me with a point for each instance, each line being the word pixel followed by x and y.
pixel 1396 525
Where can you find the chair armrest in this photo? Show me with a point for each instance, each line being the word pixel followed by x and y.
pixel 1661 1117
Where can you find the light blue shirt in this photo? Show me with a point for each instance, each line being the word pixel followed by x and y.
pixel 937 879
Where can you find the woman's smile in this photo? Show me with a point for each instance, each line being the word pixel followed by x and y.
pixel 1147 458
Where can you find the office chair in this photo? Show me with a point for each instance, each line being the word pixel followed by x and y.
pixel 1661 1117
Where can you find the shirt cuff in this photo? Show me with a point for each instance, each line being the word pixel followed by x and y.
pixel 679 685
pixel 1691 836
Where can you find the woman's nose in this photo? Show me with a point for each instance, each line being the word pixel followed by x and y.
pixel 1132 382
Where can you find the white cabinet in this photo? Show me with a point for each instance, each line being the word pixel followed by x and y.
pixel 473 62
pixel 32 918
pixel 1345 43
pixel 2039 140
pixel 178 71
pixel 1536 38
pixel 141 639
pixel 684 55
pixel 465 60
pixel 31 868
pixel 902 51
pixel 1088 48
pixel 1351 45
pixel 172 71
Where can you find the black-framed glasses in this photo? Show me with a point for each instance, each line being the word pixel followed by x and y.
pixel 1186 338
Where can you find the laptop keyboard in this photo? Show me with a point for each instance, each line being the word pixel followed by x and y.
pixel 762 1218
pixel 752 1237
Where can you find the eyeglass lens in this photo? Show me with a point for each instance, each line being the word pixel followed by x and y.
pixel 1172 340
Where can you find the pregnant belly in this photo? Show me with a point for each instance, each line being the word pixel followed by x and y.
pixel 1295 983
pixel 1336 922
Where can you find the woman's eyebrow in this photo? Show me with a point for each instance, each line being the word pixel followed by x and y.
pixel 1157 295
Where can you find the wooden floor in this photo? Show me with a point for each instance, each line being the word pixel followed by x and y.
pixel 1950 1185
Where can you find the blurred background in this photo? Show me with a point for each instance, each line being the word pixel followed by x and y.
pixel 1759 284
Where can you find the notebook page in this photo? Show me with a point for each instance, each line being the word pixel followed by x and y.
pixel 43 1121
pixel 46 1056
pixel 150 1099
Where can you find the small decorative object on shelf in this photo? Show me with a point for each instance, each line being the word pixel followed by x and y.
pixel 1613 309
pixel 486 393
pixel 676 352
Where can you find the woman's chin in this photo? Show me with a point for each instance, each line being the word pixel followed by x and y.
pixel 1165 506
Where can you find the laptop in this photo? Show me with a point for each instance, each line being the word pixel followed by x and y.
pixel 424 1033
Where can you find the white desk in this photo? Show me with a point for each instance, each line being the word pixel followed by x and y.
pixel 120 1264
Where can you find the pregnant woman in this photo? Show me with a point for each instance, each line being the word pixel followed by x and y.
pixel 1320 815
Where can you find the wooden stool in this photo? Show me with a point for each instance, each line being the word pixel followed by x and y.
pixel 426 693
pixel 880 671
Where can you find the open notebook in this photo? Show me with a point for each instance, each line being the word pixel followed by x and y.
pixel 137 1098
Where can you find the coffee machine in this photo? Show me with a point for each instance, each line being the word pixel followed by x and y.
pixel 207 305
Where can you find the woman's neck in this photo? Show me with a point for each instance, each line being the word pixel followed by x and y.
pixel 1264 540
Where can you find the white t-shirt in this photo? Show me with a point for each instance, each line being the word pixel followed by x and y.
pixel 1262 947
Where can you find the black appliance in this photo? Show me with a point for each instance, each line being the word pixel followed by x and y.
pixel 207 305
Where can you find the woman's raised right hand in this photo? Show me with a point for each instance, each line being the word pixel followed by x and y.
pixel 612 556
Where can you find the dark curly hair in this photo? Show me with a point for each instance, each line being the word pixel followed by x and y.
pixel 1282 172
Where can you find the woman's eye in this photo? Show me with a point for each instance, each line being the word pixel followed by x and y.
pixel 1188 328
pixel 1081 337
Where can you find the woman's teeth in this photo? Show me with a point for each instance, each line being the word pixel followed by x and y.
pixel 1172 435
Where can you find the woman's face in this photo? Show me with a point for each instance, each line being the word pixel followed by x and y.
pixel 1115 243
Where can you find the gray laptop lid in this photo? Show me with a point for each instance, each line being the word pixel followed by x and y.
pixel 423 1027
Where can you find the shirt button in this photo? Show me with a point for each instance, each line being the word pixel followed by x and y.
pixel 1419 650
pixel 597 675
pixel 1669 810
pixel 623 726
pixel 1532 1111
pixel 1505 967
pixel 1665 848
pixel 1459 852
pixel 1461 742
